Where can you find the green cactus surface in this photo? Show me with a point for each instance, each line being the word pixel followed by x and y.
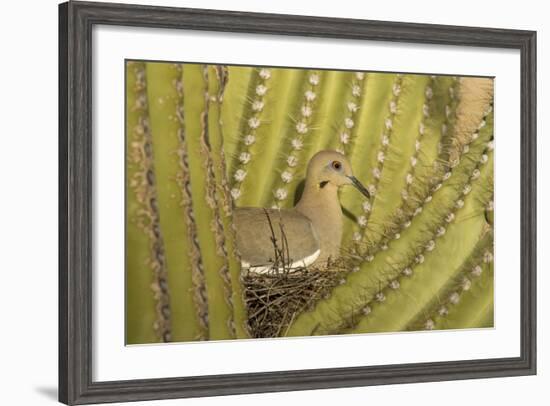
pixel 204 139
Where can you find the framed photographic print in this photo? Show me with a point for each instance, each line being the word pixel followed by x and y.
pixel 258 202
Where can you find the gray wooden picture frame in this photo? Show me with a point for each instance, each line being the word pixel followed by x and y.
pixel 76 20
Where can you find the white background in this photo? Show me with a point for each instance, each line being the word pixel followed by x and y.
pixel 28 168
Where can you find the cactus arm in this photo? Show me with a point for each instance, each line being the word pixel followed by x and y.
pixel 218 77
pixel 196 104
pixel 146 276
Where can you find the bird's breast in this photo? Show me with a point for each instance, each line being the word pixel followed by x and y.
pixel 328 224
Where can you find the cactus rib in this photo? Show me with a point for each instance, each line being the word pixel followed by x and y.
pixel 218 79
pixel 143 183
pixel 285 86
pixel 300 139
pixel 257 92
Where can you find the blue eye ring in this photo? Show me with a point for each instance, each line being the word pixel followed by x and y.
pixel 336 165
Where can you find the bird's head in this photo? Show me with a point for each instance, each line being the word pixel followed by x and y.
pixel 333 168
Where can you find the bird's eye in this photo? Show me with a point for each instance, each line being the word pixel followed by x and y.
pixel 336 165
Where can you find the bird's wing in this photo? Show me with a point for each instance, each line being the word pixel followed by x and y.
pixel 294 235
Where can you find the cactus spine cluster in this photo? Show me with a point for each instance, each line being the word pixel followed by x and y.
pixel 203 139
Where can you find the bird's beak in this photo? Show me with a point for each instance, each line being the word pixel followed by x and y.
pixel 359 186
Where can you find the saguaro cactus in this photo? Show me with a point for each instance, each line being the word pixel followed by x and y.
pixel 203 139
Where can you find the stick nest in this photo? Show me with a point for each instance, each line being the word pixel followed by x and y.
pixel 276 298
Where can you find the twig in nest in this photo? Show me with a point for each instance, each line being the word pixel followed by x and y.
pixel 275 299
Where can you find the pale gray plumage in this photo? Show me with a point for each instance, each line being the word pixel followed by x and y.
pixel 256 227
pixel 313 228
